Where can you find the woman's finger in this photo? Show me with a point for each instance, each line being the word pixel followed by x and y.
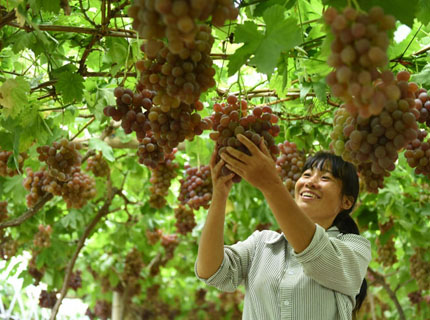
pixel 213 158
pixel 249 144
pixel 238 154
pixel 264 148
pixel 236 170
pixel 231 160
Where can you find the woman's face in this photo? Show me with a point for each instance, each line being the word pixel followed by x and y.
pixel 319 194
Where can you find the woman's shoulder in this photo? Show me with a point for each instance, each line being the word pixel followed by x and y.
pixel 268 236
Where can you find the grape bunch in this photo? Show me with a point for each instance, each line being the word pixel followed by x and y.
pixel 415 297
pixel 178 77
pixel 47 299
pixel 103 309
pixel 174 126
pixel 290 164
pixel 417 154
pixel 42 239
pixel 185 221
pixel 359 49
pixel 231 119
pixel 420 269
pixel 62 157
pixel 169 243
pixel 75 280
pixel 196 187
pixel 422 104
pixel 161 178
pixel 132 109
pixel 98 165
pixel 176 19
pixel 387 252
pixel 32 269
pixel 372 181
pixel 378 139
pixel 76 190
pixel 200 296
pixel 149 152
pixel 8 246
pixel 5 171
pixel 153 236
pixel 132 267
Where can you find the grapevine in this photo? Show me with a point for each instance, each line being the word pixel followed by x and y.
pixel 42 239
pixel 169 242
pixel 8 246
pixel 75 280
pixel 47 299
pixel 386 252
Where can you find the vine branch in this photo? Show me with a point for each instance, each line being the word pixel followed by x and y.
pixel 104 210
pixel 27 215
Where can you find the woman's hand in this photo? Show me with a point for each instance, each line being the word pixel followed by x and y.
pixel 221 184
pixel 258 169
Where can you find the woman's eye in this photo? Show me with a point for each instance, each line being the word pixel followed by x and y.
pixel 326 177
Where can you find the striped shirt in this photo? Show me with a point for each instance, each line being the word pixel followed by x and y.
pixel 319 283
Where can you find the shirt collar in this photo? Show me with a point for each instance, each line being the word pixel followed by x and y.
pixel 333 231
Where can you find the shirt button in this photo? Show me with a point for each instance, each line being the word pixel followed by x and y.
pixel 286 303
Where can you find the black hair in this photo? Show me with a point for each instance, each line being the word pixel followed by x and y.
pixel 347 174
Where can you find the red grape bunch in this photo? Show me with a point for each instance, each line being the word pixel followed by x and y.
pixel 290 164
pixel 131 109
pixel 372 181
pixel 422 103
pixel 47 299
pixel 75 280
pixel 5 171
pixel 153 236
pixel 420 268
pixel 176 19
pixel 169 243
pixel 62 157
pixel 98 165
pixel 415 297
pixel 417 154
pixel 174 126
pixel 32 269
pixel 161 178
pixel 76 190
pixel 231 119
pixel 132 267
pixel 386 252
pixel 103 309
pixel 42 239
pixel 378 139
pixel 185 221
pixel 359 49
pixel 149 152
pixel 178 77
pixel 196 187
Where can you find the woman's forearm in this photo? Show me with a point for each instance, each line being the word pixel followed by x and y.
pixel 297 227
pixel 211 246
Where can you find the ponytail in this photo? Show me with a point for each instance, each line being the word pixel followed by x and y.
pixel 346 224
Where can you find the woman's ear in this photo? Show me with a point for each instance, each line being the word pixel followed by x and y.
pixel 347 202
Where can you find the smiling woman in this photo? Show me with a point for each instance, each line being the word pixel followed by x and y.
pixel 315 268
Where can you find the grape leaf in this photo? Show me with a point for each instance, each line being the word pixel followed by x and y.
pixel 50 5
pixel 423 77
pixel 13 96
pixel 102 146
pixel 70 86
pixel 281 35
pixel 423 14
pixel 263 5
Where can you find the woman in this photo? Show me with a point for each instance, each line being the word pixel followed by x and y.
pixel 315 269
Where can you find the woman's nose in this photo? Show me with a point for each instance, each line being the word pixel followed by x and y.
pixel 311 180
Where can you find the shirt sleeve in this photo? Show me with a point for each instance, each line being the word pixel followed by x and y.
pixel 336 263
pixel 235 265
